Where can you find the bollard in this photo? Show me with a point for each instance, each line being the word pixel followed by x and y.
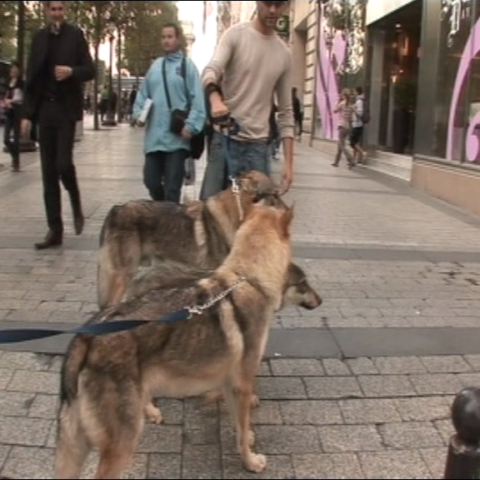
pixel 463 460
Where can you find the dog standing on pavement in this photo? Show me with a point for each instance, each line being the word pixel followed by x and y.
pixel 107 381
pixel 198 234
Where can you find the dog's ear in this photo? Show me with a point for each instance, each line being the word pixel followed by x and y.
pixel 257 185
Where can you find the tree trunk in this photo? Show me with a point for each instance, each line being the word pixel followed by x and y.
pixel 95 91
pixel 119 77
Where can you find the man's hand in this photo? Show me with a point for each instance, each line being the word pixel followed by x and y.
pixel 217 107
pixel 62 73
pixel 287 179
pixel 25 127
pixel 186 135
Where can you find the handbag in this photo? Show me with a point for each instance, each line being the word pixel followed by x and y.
pixel 178 117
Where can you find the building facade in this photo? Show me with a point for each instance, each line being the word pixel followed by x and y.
pixel 419 62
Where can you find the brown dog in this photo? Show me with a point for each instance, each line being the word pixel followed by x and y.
pixel 199 234
pixel 107 381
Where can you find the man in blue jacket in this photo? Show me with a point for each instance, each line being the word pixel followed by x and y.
pixel 172 83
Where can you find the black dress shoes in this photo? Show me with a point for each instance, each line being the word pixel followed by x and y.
pixel 53 239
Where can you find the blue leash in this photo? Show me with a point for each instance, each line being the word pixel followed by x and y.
pixel 25 335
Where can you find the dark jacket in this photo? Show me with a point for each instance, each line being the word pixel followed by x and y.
pixel 74 53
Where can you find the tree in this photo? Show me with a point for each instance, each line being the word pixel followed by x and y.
pixel 93 18
pixel 142 42
pixel 8 11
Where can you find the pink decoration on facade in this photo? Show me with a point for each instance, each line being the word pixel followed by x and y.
pixel 327 91
pixel 471 49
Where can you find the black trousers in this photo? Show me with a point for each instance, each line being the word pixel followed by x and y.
pixel 12 142
pixel 57 136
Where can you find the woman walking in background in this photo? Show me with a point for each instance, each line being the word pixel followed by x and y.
pixel 344 110
pixel 12 104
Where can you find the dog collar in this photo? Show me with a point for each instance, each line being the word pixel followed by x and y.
pixel 199 309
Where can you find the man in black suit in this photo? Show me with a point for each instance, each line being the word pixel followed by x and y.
pixel 59 63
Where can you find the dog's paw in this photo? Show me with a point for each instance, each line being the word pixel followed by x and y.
pixel 153 414
pixel 256 463
pixel 254 401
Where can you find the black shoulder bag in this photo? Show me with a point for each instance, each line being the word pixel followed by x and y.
pixel 178 117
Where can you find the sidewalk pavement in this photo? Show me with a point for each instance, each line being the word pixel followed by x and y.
pixel 360 388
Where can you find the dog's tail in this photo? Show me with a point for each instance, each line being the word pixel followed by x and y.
pixel 72 443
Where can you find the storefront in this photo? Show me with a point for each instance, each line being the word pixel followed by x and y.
pixel 419 62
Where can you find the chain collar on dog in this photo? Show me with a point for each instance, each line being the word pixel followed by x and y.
pixel 199 309
pixel 236 192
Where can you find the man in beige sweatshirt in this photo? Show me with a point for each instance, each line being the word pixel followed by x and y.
pixel 250 67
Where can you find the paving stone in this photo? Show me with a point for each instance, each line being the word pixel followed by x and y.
pixel 394 465
pixel 278 467
pixel 297 368
pixel 198 414
pixel 410 435
pixel 24 361
pixel 4 452
pixel 26 316
pixel 24 431
pixel 24 462
pixel 435 459
pixel 160 439
pixel 264 370
pixel 399 365
pixel 349 438
pixel 164 466
pixel 44 406
pixel 200 461
pixel 365 411
pixel 268 413
pixel 445 428
pixel 446 364
pixel 362 366
pixel 332 387
pixel 474 361
pixel 311 412
pixel 336 368
pixel 276 440
pixel 436 384
pixel 321 466
pixel 204 435
pixel 172 410
pixel 422 409
pixel 386 386
pixel 40 382
pixel 15 404
pixel 469 379
pixel 280 388
pixel 137 469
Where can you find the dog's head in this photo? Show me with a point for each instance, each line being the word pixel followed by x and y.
pixel 257 185
pixel 298 291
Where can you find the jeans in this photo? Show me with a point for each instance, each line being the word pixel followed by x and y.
pixel 245 157
pixel 163 175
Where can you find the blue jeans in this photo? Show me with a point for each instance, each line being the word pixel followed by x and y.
pixel 245 157
pixel 163 175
